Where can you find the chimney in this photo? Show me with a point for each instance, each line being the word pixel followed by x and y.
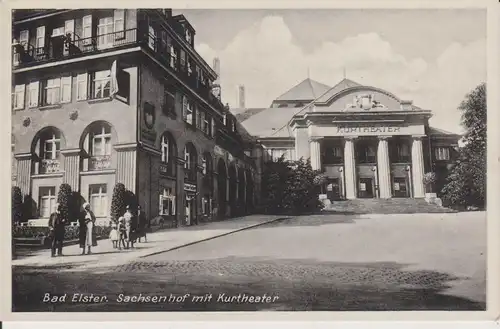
pixel 216 68
pixel 241 96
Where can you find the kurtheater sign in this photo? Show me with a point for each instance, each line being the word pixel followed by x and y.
pixel 361 130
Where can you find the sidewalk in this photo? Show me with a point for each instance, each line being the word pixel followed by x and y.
pixel 158 242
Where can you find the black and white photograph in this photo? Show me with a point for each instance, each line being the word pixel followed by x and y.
pixel 260 159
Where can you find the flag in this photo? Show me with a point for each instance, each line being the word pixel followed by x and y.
pixel 114 80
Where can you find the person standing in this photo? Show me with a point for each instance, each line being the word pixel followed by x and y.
pixel 57 226
pixel 87 225
pixel 141 229
pixel 129 227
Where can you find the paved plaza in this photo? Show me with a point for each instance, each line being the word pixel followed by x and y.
pixel 321 262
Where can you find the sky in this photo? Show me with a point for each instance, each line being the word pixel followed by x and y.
pixel 431 56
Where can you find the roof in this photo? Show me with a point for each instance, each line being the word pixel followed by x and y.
pixel 305 90
pixel 241 114
pixel 342 85
pixel 270 122
pixel 440 132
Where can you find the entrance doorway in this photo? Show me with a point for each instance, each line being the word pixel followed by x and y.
pixel 365 188
pixel 333 189
pixel 400 187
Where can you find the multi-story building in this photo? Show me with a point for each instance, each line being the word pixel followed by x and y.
pixel 369 142
pixel 121 96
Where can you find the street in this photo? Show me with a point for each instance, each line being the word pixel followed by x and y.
pixel 323 262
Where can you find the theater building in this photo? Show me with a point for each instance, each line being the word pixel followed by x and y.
pixel 107 96
pixel 368 141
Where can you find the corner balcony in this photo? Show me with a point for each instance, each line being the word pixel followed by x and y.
pixel 70 46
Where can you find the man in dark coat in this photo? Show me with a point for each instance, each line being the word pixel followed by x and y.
pixel 57 226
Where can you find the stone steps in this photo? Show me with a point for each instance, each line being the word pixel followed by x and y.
pixel 385 206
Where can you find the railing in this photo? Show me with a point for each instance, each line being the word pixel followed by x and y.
pixel 71 45
pixel 49 166
pixel 100 162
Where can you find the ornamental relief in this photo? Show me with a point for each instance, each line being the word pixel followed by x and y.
pixel 365 102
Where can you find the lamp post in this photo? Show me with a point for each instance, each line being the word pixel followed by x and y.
pixel 374 170
pixel 408 174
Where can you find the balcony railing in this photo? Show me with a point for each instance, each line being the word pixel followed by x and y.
pixel 100 162
pixel 71 45
pixel 50 166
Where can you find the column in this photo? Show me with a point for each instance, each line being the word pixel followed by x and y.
pixel 417 165
pixel 350 168
pixel 383 166
pixel 72 168
pixel 315 148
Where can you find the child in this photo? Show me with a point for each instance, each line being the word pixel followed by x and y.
pixel 122 233
pixel 113 236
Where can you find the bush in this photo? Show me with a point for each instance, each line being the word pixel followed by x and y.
pixel 64 200
pixel 17 204
pixel 70 232
pixel 118 202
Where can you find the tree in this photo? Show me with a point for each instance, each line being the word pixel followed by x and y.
pixel 119 201
pixel 17 205
pixel 290 187
pixel 466 183
pixel 64 200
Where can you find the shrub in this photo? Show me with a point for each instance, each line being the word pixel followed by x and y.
pixel 118 202
pixel 64 200
pixel 17 204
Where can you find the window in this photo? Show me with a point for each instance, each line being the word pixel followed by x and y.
pixel 189 67
pixel 165 149
pixel 187 108
pixel 187 158
pixel 81 86
pixel 34 88
pixel 40 37
pixel 212 127
pixel 119 22
pixel 169 101
pixel 24 39
pixel 47 201
pixel 173 57
pixel 58 31
pixel 205 126
pixel 101 141
pixel 198 118
pixel 233 124
pixel 51 146
pixel 87 29
pixel 69 27
pixel 442 154
pixel 224 119
pixel 333 155
pixel 98 200
pixel 204 164
pixel 52 91
pixel 152 38
pixel 183 60
pixel 102 84
pixel 18 101
pixel 188 36
pixel 167 202
pixel 105 30
pixel 66 89
pixel 206 201
pixel 403 153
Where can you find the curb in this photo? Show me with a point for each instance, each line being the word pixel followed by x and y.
pixel 213 237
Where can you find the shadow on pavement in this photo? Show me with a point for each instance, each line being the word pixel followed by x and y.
pixel 302 285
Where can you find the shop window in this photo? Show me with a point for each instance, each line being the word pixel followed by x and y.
pixel 47 201
pixel 98 199
pixel 167 202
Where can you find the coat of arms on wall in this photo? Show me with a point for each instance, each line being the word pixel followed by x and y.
pixel 149 115
pixel 366 102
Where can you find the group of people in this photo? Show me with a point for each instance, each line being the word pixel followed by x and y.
pixel 126 230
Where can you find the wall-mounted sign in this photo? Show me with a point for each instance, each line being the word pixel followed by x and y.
pixel 163 169
pixel 149 115
pixel 362 187
pixel 374 129
pixel 189 187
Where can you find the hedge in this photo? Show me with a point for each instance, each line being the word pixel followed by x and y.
pixel 71 232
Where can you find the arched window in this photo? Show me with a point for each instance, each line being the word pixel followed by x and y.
pixel 48 149
pixel 98 146
pixel 190 158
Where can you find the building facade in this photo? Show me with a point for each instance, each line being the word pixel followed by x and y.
pixel 368 142
pixel 111 96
